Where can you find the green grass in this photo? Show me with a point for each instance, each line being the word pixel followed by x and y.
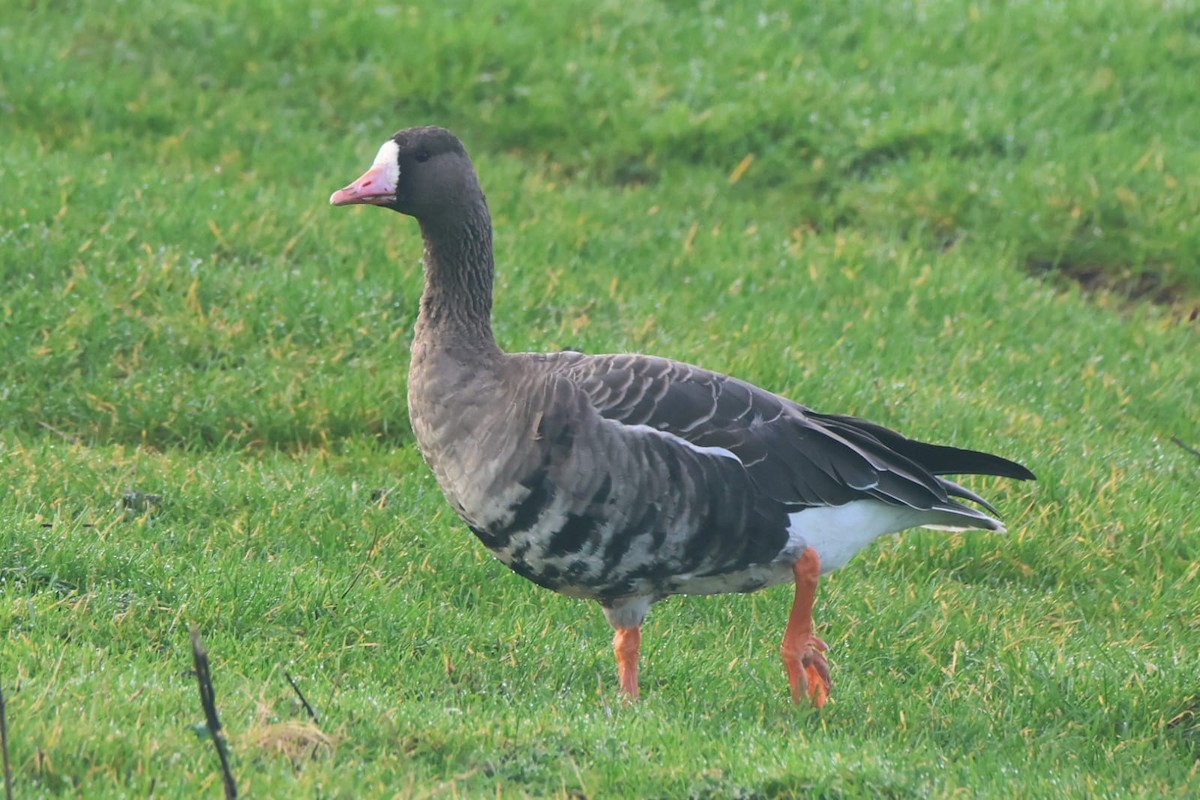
pixel 182 315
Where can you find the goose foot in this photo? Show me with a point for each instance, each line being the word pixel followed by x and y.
pixel 803 653
pixel 808 671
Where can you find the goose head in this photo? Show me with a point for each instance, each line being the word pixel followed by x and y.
pixel 422 172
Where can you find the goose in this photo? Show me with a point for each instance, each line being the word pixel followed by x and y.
pixel 625 479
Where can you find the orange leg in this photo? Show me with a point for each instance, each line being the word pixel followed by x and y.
pixel 625 647
pixel 803 653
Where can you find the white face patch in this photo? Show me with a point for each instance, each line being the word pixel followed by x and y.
pixel 389 158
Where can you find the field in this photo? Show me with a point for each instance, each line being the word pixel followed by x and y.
pixel 974 222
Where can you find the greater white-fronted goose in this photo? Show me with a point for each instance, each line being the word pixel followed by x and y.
pixel 627 478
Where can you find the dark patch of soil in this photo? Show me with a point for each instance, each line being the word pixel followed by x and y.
pixel 1148 285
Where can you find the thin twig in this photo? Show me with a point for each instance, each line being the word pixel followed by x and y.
pixel 4 747
pixel 363 568
pixel 381 496
pixel 1191 450
pixel 70 437
pixel 208 701
pixel 312 714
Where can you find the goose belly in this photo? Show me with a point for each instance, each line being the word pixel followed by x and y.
pixel 535 533
pixel 596 549
pixel 561 554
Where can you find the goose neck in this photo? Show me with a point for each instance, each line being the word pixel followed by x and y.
pixel 456 304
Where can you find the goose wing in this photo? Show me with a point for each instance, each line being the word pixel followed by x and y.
pixel 793 455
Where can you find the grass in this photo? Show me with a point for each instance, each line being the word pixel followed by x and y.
pixel 856 205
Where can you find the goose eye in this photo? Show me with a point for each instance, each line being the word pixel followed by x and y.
pixel 422 156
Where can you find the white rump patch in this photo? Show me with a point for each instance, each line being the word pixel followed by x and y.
pixel 720 452
pixel 836 533
pixel 389 157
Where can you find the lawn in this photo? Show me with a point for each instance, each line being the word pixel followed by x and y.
pixel 973 222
